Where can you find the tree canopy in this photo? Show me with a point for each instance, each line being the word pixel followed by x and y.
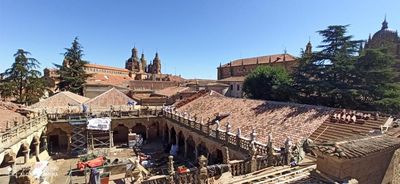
pixel 72 73
pixel 269 83
pixel 22 81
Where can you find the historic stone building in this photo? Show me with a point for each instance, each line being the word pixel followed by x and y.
pixel 139 69
pixel 234 72
pixel 385 38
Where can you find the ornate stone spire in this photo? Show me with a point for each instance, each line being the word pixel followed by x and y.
pixel 156 64
pixel 308 50
pixel 384 24
pixel 143 62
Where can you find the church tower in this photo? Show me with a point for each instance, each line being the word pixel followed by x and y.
pixel 143 62
pixel 156 65
pixel 308 50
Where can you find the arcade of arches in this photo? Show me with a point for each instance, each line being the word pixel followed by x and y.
pixel 190 144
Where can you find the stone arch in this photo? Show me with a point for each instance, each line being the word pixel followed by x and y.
pixel 8 159
pixel 216 157
pixel 139 128
pixel 181 143
pixel 23 152
pixel 191 147
pixel 166 132
pixel 32 146
pixel 58 141
pixel 173 135
pixel 153 131
pixel 202 149
pixel 120 135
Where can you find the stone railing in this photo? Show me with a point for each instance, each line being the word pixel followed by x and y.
pixel 240 167
pixel 22 130
pixel 125 112
pixel 188 177
pixel 235 141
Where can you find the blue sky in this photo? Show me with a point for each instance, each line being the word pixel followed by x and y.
pixel 192 37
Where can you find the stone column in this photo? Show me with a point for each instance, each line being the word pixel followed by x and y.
pixel 288 150
pixel 26 155
pixel 147 133
pixel 37 149
pixel 171 171
pixel 203 172
pixel 253 157
pixel 169 136
pixel 185 152
pixel 44 139
pixel 196 151
pixel 111 134
pixel 228 130
pixel 177 139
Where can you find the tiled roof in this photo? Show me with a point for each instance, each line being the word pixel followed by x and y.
pixel 117 80
pixel 359 146
pixel 8 113
pixel 106 67
pixel 9 116
pixel 61 99
pixel 333 128
pixel 281 119
pixel 277 58
pixel 233 79
pixel 171 91
pixel 111 97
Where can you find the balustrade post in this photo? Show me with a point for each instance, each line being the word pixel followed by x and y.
pixel 253 157
pixel 217 131
pixel 253 135
pixel 228 129
pixel 238 137
pixel 288 150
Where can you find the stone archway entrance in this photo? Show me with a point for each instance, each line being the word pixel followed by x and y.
pixel 153 131
pixel 120 135
pixel 140 129
pixel 191 147
pixel 58 141
pixel 202 150
pixel 181 144
pixel 173 136
pixel 216 157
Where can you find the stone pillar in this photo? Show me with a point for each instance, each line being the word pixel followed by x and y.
pixel 147 133
pixel 111 134
pixel 196 151
pixel 288 150
pixel 44 139
pixel 203 173
pixel 228 130
pixel 185 152
pixel 253 135
pixel 37 149
pixel 253 157
pixel 217 131
pixel 169 136
pixel 171 171
pixel 26 154
pixel 238 137
pixel 226 156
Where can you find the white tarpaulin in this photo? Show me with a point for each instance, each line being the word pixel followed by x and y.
pixel 99 124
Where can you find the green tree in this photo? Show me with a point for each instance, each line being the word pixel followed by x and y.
pixel 22 81
pixel 375 83
pixel 268 83
pixel 72 73
pixel 326 77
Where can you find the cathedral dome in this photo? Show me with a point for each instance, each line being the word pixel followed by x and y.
pixel 385 33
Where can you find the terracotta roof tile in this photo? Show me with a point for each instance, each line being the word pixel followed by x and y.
pixel 112 97
pixel 11 117
pixel 262 60
pixel 171 91
pixel 117 80
pixel 359 146
pixel 61 99
pixel 281 119
pixel 233 79
pixel 106 67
